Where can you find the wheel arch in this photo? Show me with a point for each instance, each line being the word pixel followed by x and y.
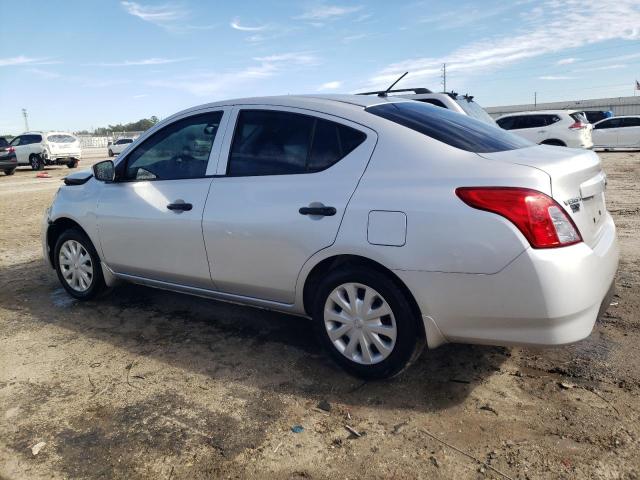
pixel 342 260
pixel 553 141
pixel 56 228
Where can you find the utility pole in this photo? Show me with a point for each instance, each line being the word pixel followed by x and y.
pixel 444 77
pixel 535 100
pixel 26 119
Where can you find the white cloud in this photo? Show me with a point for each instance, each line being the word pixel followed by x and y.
pixel 143 62
pixel 463 17
pixel 555 26
pixel 142 95
pixel 172 17
pixel 44 73
pixel 330 86
pixel 566 61
pixel 235 24
pixel 327 12
pixel 223 84
pixel 556 77
pixel 22 60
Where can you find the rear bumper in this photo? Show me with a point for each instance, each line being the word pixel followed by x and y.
pixel 8 162
pixel 543 297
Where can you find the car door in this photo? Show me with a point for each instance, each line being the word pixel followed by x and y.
pixel 605 133
pixel 21 153
pixel 629 132
pixel 284 180
pixel 150 218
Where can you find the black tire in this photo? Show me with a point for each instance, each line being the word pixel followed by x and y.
pixel 110 153
pixel 557 143
pixel 97 284
pixel 36 162
pixel 72 163
pixel 409 338
pixel 10 171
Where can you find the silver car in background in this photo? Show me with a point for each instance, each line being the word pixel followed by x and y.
pixel 391 223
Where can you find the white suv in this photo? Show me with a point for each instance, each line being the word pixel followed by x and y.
pixel 119 145
pixel 46 148
pixel 389 222
pixel 565 128
pixel 463 104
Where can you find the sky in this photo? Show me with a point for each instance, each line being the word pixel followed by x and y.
pixel 85 64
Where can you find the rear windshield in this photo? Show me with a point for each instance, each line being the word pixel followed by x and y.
pixel 3 142
pixel 58 138
pixel 474 110
pixel 579 117
pixel 459 131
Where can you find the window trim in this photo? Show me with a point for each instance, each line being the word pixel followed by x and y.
pixel 123 158
pixel 225 156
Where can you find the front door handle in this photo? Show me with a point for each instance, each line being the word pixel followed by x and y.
pixel 320 211
pixel 180 206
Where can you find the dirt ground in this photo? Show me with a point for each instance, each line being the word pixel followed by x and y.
pixel 148 384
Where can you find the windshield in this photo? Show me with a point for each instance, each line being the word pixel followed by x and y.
pixel 454 129
pixel 61 138
pixel 474 110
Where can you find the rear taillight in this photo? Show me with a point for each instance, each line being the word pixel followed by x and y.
pixel 11 150
pixel 539 217
pixel 578 126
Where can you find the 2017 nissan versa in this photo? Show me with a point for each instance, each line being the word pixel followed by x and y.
pixel 391 223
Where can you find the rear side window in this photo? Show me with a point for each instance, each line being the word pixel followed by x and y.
pixel 507 123
pixel 268 142
pixel 532 121
pixel 613 123
pixel 454 129
pixel 57 138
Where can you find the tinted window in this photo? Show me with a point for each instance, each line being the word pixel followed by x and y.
pixel 631 122
pixel 433 101
pixel 3 142
pixel 507 123
pixel 459 131
pixel 123 141
pixel 179 150
pixel 613 123
pixel 268 142
pixel 532 121
pixel 16 141
pixel 594 116
pixel 59 138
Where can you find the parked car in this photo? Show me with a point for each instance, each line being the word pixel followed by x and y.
pixel 8 162
pixel 463 104
pixel 594 116
pixel 47 148
pixel 565 128
pixel 389 222
pixel 617 132
pixel 119 145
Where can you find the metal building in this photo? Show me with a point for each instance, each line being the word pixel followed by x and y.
pixel 618 105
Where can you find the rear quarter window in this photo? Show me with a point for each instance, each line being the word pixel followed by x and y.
pixel 454 129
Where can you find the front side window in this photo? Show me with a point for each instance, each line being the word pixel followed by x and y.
pixel 631 122
pixel 178 151
pixel 268 142
pixel 459 131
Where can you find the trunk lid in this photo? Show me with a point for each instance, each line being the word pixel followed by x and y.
pixel 577 183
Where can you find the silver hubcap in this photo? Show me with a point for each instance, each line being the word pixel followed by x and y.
pixel 360 323
pixel 76 265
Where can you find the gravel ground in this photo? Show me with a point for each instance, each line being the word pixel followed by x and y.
pixel 148 384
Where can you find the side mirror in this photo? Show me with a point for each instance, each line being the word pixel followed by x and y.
pixel 104 171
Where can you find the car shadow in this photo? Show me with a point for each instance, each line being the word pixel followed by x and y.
pixel 230 343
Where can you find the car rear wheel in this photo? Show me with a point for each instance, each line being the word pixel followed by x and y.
pixel 78 265
pixel 366 323
pixel 110 153
pixel 36 162
pixel 72 163
pixel 10 171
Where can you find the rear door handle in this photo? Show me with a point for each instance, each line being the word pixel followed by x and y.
pixel 180 206
pixel 320 211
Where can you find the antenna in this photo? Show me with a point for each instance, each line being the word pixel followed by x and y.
pixel 384 94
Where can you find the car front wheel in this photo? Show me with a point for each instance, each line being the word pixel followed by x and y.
pixel 78 265
pixel 10 171
pixel 366 323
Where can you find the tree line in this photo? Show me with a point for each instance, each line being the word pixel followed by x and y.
pixel 139 126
